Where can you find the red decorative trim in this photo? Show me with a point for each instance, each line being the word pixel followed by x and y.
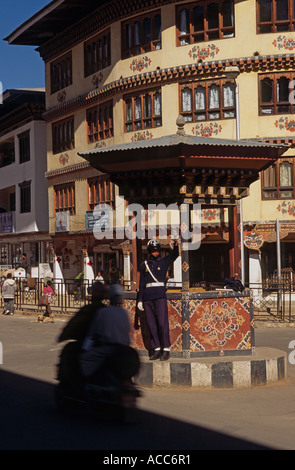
pixel 69 169
pixel 199 70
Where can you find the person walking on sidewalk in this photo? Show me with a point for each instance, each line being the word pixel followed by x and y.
pixel 8 292
pixel 49 293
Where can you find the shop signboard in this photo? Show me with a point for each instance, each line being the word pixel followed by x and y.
pixel 100 218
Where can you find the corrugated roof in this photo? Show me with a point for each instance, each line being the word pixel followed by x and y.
pixel 178 139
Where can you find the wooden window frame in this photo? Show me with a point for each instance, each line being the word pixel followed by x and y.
pixel 61 74
pixel 277 189
pixel 142 123
pixel 24 147
pixel 206 84
pixel 274 25
pixel 100 191
pixel 63 135
pixel 206 34
pixel 275 103
pixel 143 46
pixel 99 122
pixel 64 198
pixel 97 53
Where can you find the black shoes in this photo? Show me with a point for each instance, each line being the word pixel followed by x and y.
pixel 162 355
pixel 165 356
pixel 155 355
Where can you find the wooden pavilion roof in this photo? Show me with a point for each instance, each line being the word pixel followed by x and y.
pixel 179 164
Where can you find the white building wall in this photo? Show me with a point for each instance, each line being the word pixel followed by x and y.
pixel 34 171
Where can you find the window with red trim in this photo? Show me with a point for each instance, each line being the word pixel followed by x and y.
pixel 207 100
pixel 100 122
pixel 143 110
pixel 278 180
pixel 205 21
pixel 64 198
pixel 100 191
pixel 275 16
pixel 61 72
pixel 141 34
pixel 97 53
pixel 63 137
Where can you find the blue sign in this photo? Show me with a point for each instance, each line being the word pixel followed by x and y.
pixel 6 222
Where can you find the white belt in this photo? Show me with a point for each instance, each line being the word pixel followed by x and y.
pixel 155 284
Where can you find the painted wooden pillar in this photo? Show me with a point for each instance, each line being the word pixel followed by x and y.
pixel 234 241
pixel 134 255
pixel 184 230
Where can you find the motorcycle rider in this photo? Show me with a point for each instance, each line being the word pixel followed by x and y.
pixel 69 371
pixel 107 342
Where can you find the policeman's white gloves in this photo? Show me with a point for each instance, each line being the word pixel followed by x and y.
pixel 140 306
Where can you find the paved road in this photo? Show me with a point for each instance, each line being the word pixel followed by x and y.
pixel 174 419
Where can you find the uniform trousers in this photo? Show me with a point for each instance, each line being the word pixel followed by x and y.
pixel 157 319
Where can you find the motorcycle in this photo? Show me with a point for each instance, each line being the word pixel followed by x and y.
pixel 112 392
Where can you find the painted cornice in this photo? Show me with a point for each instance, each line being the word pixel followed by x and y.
pixel 199 70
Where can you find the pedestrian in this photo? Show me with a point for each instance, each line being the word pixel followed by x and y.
pixel 152 297
pixel 48 293
pixel 99 277
pixel 8 292
pixel 25 262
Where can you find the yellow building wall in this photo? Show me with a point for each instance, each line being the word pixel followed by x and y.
pixel 246 43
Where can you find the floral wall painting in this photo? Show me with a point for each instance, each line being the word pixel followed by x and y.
pixel 144 135
pixel 61 96
pixel 97 79
pixel 287 207
pixel 209 214
pixel 285 123
pixel 284 42
pixel 100 144
pixel 203 52
pixel 207 129
pixel 138 64
pixel 64 159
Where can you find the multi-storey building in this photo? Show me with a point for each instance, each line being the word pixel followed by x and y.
pixel 119 71
pixel 23 186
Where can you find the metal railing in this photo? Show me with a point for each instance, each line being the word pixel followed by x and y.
pixel 69 294
pixel 276 301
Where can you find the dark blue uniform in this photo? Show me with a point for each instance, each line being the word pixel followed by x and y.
pixel 152 292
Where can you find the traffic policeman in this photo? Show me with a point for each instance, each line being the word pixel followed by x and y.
pixel 152 297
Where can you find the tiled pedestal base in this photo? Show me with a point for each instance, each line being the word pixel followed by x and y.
pixel 265 366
